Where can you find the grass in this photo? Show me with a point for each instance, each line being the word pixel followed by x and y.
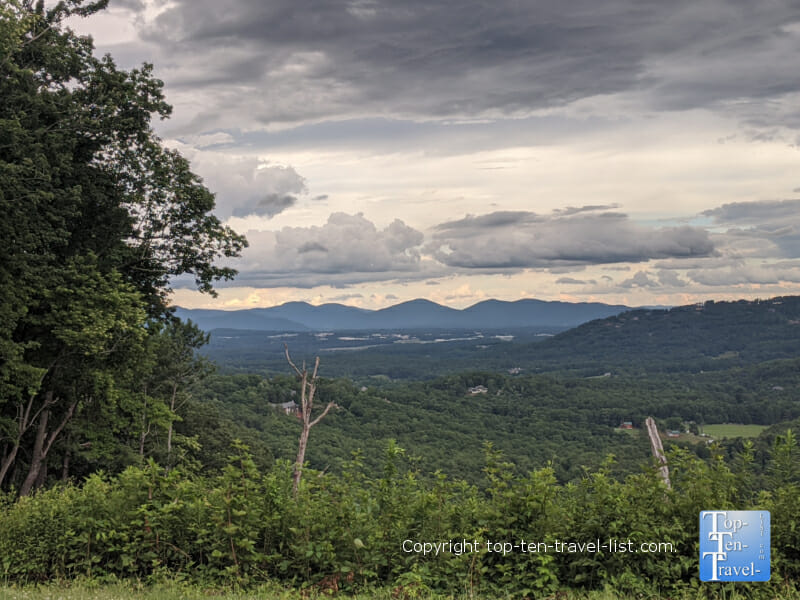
pixel 128 591
pixel 132 591
pixel 731 430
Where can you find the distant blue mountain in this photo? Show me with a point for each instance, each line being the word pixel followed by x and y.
pixel 256 319
pixel 415 314
pixel 324 317
pixel 524 313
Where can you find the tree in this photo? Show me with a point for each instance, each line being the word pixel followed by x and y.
pixel 97 218
pixel 308 388
pixel 783 468
pixel 176 367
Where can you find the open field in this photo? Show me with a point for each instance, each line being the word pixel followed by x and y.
pixel 731 430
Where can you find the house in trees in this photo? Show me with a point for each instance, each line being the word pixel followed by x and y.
pixel 289 408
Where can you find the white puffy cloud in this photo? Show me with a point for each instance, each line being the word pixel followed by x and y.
pixel 244 184
pixel 346 249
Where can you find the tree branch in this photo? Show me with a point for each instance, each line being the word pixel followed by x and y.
pixel 324 412
pixel 58 429
pixel 289 360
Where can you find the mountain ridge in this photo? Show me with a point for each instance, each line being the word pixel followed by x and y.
pixel 419 313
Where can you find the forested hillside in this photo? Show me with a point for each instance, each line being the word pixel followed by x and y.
pixel 711 335
pixel 125 454
pixel 705 337
pixel 567 422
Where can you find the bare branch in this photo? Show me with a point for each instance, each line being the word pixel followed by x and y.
pixel 289 360
pixel 324 412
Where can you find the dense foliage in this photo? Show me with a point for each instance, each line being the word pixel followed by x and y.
pixel 348 531
pixel 97 216
pixel 567 421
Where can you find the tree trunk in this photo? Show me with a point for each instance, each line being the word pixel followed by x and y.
pixel 658 450
pixel 65 465
pixel 36 457
pixel 144 432
pixel 41 449
pixel 67 456
pixel 301 457
pixel 8 461
pixel 171 422
pixel 41 479
pixel 23 422
pixel 308 387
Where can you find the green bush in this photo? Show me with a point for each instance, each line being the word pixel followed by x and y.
pixel 346 532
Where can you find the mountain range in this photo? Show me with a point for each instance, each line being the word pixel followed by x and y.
pixel 415 314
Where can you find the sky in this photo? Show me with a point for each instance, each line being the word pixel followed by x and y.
pixel 638 152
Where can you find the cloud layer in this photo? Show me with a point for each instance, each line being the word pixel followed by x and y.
pixel 335 59
pixel 569 237
pixel 350 249
pixel 346 134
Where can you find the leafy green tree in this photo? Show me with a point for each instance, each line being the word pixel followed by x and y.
pixel 161 383
pixel 98 217
pixel 783 468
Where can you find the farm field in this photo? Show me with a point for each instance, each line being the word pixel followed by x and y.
pixel 732 430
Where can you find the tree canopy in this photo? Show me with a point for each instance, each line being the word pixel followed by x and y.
pixel 97 217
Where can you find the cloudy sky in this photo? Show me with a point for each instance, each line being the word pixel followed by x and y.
pixel 375 151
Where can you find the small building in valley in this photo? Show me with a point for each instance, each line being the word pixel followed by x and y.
pixel 289 408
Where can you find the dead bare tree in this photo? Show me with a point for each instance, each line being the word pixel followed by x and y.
pixel 308 387
pixel 658 449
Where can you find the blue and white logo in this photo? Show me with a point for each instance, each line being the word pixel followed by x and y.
pixel 734 545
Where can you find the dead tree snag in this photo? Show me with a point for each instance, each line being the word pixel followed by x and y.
pixel 308 388
pixel 658 449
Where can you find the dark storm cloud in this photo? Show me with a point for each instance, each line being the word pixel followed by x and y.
pixel 526 240
pixel 324 59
